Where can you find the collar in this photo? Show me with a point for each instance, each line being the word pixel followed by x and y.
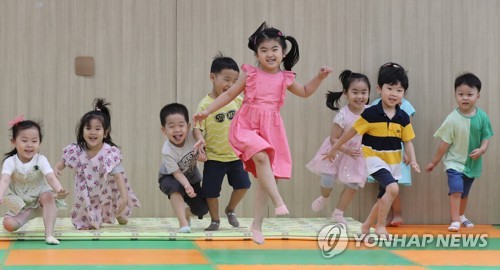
pixel 380 110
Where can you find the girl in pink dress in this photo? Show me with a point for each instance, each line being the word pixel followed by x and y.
pixel 349 166
pixel 102 191
pixel 257 133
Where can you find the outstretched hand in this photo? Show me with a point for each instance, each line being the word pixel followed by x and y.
pixel 324 72
pixel 200 116
pixel 414 166
pixel 61 194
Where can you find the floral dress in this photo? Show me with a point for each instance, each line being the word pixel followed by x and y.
pixel 96 193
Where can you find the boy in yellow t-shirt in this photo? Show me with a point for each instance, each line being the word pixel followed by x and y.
pixel 221 159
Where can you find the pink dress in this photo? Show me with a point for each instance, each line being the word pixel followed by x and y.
pixel 96 193
pixel 258 126
pixel 344 168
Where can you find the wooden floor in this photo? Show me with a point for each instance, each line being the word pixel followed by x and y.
pixel 241 255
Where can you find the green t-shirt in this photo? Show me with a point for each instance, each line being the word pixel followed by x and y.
pixel 464 134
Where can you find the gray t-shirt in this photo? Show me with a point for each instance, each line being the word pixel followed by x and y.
pixel 181 158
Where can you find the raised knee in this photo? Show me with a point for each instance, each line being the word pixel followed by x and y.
pixel 10 224
pixel 260 158
pixel 46 198
pixel 392 189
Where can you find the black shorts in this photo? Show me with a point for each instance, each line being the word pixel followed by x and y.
pixel 168 185
pixel 213 175
pixel 384 178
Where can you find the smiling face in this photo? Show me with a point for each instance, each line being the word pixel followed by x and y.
pixel 222 81
pixel 270 55
pixel 27 143
pixel 176 129
pixel 94 134
pixel 391 94
pixel 357 95
pixel 466 98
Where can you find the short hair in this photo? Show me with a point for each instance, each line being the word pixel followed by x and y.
pixel 392 73
pixel 468 79
pixel 173 108
pixel 221 62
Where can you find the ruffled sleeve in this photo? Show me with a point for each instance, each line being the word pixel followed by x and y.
pixel 288 79
pixel 340 119
pixel 71 155
pixel 112 157
pixel 251 82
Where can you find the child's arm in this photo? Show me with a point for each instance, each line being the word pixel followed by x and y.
pixel 476 153
pixel 199 146
pixel 442 149
pixel 334 137
pixel 351 132
pixel 223 99
pixel 410 152
pixel 310 87
pixel 56 186
pixel 181 178
pixel 58 168
pixel 120 183
pixel 4 184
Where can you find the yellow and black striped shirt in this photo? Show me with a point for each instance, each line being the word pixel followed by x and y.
pixel 382 137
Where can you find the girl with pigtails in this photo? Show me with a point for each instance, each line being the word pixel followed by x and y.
pixel 257 133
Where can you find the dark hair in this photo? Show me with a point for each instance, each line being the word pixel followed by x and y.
pixel 347 77
pixel 392 73
pixel 468 79
pixel 173 108
pixel 221 62
pixel 101 113
pixel 264 33
pixel 17 128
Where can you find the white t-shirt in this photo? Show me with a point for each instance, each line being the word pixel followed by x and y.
pixel 13 162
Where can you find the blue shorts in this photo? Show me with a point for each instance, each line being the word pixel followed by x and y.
pixel 459 183
pixel 213 175
pixel 198 205
pixel 384 178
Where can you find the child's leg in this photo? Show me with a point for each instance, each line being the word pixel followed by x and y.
pixel 384 204
pixel 260 209
pixel 326 184
pixel 370 220
pixel 236 197
pixel 344 200
pixel 213 208
pixel 177 202
pixel 397 215
pixel 12 224
pixel 455 206
pixel 268 182
pixel 49 212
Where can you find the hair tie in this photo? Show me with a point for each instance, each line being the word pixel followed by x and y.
pixel 98 109
pixel 255 40
pixel 16 120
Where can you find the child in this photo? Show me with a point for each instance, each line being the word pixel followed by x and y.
pixel 102 191
pixel 464 138
pixel 179 178
pixel 257 133
pixel 383 127
pixel 29 187
pixel 221 158
pixel 395 216
pixel 349 166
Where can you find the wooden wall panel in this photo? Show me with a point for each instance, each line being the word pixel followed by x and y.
pixel 150 53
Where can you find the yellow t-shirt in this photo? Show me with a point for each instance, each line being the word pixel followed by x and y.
pixel 215 129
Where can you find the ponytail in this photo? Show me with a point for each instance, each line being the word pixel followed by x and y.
pixel 292 57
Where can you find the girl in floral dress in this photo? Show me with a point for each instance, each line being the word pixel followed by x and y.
pixel 102 191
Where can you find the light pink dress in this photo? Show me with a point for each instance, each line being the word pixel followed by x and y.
pixel 258 125
pixel 344 168
pixel 96 193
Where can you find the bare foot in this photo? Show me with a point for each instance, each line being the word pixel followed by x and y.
pixel 365 228
pixel 382 233
pixel 396 221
